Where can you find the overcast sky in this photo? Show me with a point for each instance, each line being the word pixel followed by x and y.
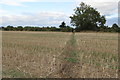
pixel 51 12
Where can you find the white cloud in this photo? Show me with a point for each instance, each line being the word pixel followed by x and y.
pixel 109 8
pixel 16 2
pixel 105 7
pixel 10 2
pixel 2 12
pixel 97 1
pixel 42 19
pixel 112 16
pixel 19 2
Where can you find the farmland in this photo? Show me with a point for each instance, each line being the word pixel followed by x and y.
pixel 59 55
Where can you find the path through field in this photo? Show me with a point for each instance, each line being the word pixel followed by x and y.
pixel 69 60
pixel 59 55
pixel 76 64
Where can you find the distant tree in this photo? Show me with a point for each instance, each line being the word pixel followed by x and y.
pixel 10 28
pixel 27 28
pixel 54 29
pixel 104 29
pixel 87 18
pixel 2 28
pixel 19 28
pixel 65 28
pixel 63 25
pixel 37 29
pixel 68 29
pixel 115 28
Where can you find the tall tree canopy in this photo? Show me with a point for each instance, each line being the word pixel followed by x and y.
pixel 87 18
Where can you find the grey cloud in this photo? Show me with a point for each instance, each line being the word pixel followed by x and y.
pixel 40 19
pixel 106 8
pixel 111 21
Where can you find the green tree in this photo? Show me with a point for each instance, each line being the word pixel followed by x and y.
pixel 87 18
pixel 19 28
pixel 27 28
pixel 115 28
pixel 63 25
pixel 10 28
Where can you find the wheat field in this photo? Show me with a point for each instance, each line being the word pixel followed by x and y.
pixel 59 55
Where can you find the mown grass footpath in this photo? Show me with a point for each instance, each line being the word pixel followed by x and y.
pixel 71 53
pixel 70 59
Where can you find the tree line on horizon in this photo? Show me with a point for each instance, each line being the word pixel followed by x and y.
pixel 62 28
pixel 85 18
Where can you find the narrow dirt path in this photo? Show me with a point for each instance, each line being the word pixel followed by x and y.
pixel 70 59
pixel 67 64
